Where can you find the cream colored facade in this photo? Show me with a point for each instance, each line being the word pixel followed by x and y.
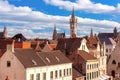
pixel 53 72
pixel 92 72
pixel 83 45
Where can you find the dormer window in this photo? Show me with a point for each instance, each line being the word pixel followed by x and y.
pixel 113 62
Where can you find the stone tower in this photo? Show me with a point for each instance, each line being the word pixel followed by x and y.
pixel 73 25
pixel 5 32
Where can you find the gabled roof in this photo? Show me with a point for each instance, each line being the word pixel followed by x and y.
pixel 106 40
pixel 53 57
pixel 18 37
pixel 28 58
pixel 85 55
pixel 70 44
pixel 92 42
pixel 103 35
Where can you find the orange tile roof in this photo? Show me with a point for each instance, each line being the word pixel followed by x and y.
pixel 52 46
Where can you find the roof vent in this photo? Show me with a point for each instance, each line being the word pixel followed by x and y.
pixel 34 62
pixel 48 59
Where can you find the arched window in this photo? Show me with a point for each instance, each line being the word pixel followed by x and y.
pixel 113 62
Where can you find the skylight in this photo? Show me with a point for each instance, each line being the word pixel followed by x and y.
pixel 57 59
pixel 48 59
pixel 34 62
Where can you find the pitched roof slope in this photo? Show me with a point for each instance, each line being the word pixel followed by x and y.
pixel 85 55
pixel 70 44
pixel 28 58
pixel 53 57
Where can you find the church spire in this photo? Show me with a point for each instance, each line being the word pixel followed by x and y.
pixel 54 32
pixel 91 33
pixel 73 14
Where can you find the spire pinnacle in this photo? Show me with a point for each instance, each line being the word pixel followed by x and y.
pixel 54 26
pixel 91 33
pixel 73 14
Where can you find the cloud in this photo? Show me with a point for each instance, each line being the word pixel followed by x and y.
pixel 85 5
pixel 34 24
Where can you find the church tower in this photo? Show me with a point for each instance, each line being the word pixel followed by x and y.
pixel 5 32
pixel 54 33
pixel 73 25
pixel 115 32
pixel 91 33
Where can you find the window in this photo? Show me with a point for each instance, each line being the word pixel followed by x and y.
pixel 113 62
pixel 56 74
pixel 106 50
pixel 64 72
pixel 70 71
pixel 8 63
pixel 38 76
pixel 87 76
pixel 110 50
pixel 119 64
pixel 90 75
pixel 51 75
pixel 44 76
pixel 83 47
pixel 88 66
pixel 67 72
pixel 60 73
pixel 31 77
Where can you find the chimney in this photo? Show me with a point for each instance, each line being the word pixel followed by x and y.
pixel 10 47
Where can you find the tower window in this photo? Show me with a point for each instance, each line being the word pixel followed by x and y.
pixel 113 62
pixel 8 63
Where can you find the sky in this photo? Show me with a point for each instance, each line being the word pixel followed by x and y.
pixel 36 18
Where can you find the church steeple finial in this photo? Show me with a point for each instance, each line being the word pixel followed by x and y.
pixel 73 14
pixel 91 33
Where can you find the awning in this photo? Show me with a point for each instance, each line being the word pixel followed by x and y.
pixel 104 77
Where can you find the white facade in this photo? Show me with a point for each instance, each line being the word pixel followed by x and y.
pixel 92 72
pixel 83 45
pixel 52 72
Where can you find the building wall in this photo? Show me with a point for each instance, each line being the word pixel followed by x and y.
pixel 109 49
pixel 83 46
pixel 15 71
pixel 26 45
pixel 114 66
pixel 48 69
pixel 102 65
pixel 92 72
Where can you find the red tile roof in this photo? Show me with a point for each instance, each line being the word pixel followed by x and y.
pixel 85 55
pixel 69 44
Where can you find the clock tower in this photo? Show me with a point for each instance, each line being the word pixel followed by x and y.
pixel 73 25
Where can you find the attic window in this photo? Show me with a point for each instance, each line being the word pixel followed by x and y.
pixel 33 61
pixel 57 59
pixel 47 59
pixel 8 63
